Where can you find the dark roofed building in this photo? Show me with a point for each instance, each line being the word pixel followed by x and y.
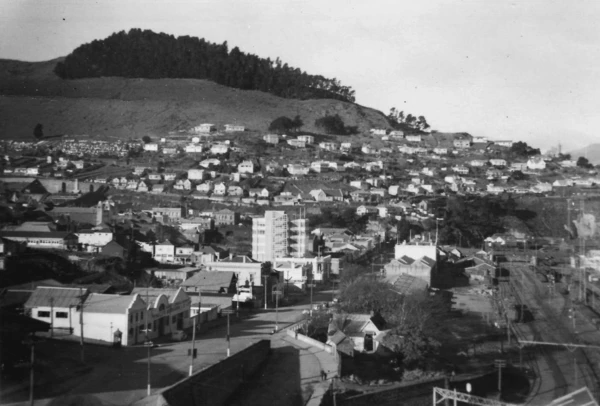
pixel 211 282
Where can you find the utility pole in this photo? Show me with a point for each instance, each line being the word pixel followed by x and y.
pixel 81 298
pixel 277 311
pixel 51 317
pixel 265 291
pixel 31 373
pixel 193 341
pixel 500 363
pixel 228 338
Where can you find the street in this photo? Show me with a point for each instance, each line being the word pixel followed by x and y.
pixel 120 376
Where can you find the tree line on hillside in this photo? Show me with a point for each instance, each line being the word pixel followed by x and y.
pixel 145 54
pixel 406 122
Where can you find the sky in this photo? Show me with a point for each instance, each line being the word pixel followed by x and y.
pixel 524 70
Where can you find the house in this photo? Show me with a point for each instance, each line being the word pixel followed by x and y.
pixel 328 146
pixel 293 273
pixel 542 187
pixel 92 240
pixel 296 143
pixel 205 187
pixel 230 128
pixel 193 149
pixel 235 191
pixel 208 162
pixel 477 163
pixel 297 169
pixel 204 128
pixel 258 192
pixel 138 170
pixel 319 166
pixel 219 149
pixel 498 162
pixel 536 163
pixel 157 188
pixel 113 249
pixel 60 240
pixel 441 151
pixel 220 189
pixel 151 146
pixel 226 217
pixel 518 166
pixel 169 176
pixel 196 174
pixel 365 210
pixel 164 252
pixel 493 174
pixel 461 143
pixel 307 139
pixel 271 139
pixel 169 150
pixel 246 167
pixel 155 176
pixel 142 186
pixel 413 137
pixel 132 184
pixel 495 189
pixel 463 170
pixel 394 189
pixel 504 143
pixel 211 283
pixel 378 131
pixel 364 331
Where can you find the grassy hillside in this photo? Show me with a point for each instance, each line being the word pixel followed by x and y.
pixel 30 93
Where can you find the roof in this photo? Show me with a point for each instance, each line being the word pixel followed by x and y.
pixel 580 397
pixel 102 303
pixel 55 296
pixel 151 294
pixel 241 259
pixel 406 283
pixel 355 323
pixel 211 280
pixel 34 234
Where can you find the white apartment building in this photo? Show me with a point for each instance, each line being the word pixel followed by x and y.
pixel 276 235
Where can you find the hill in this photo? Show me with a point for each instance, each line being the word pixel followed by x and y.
pixel 31 93
pixel 592 152
pixel 146 54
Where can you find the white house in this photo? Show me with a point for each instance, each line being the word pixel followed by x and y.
pixel 230 128
pixel 246 167
pixel 378 131
pixel 297 143
pixel 504 143
pixel 498 162
pixel 208 162
pixel 308 139
pixel 193 148
pixel 441 151
pixel 219 149
pixel 329 146
pixel 164 252
pixel 536 163
pixel 92 240
pixel 151 146
pixel 205 128
pixel 295 169
pixel 205 187
pixel 271 139
pixel 196 174
pixel 220 189
pixel 413 137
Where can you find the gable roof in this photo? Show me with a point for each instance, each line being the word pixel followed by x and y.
pixel 211 280
pixel 102 303
pixel 55 296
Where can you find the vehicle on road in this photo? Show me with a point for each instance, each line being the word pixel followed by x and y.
pixel 244 295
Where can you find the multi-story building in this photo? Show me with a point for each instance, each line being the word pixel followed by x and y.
pixel 276 235
pixel 172 212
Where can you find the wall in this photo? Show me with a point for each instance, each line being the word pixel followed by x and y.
pixel 227 375
pixel 55 185
pixel 100 328
pixel 415 251
pixel 310 341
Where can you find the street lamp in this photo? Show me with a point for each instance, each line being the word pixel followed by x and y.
pixel 149 344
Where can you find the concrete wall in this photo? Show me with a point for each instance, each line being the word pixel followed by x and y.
pixel 310 341
pixel 56 185
pixel 227 375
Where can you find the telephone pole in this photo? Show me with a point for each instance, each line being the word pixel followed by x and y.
pixel 81 298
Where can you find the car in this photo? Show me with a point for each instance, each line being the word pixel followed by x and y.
pixel 178 335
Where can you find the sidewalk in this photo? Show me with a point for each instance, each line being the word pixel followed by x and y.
pixel 316 360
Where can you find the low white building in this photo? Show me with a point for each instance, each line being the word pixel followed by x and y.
pixel 204 128
pixel 230 128
pixel 246 167
pixel 151 146
pixel 195 174
pixel 93 240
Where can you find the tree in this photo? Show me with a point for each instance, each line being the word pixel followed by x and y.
pixel 583 162
pixel 518 175
pixel 331 124
pixel 285 124
pixel 146 139
pixel 521 148
pixel 38 131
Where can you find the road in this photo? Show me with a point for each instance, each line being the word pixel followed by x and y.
pixel 561 371
pixel 122 374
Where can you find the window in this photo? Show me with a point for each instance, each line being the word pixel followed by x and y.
pixel 42 313
pixel 155 325
pixel 131 331
pixel 62 315
pixel 140 328
pixel 136 317
pixel 131 318
pixel 173 319
pixel 149 326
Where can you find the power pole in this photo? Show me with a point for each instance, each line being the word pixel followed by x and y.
pixel 51 317
pixel 265 291
pixel 81 297
pixel 194 342
pixel 31 373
